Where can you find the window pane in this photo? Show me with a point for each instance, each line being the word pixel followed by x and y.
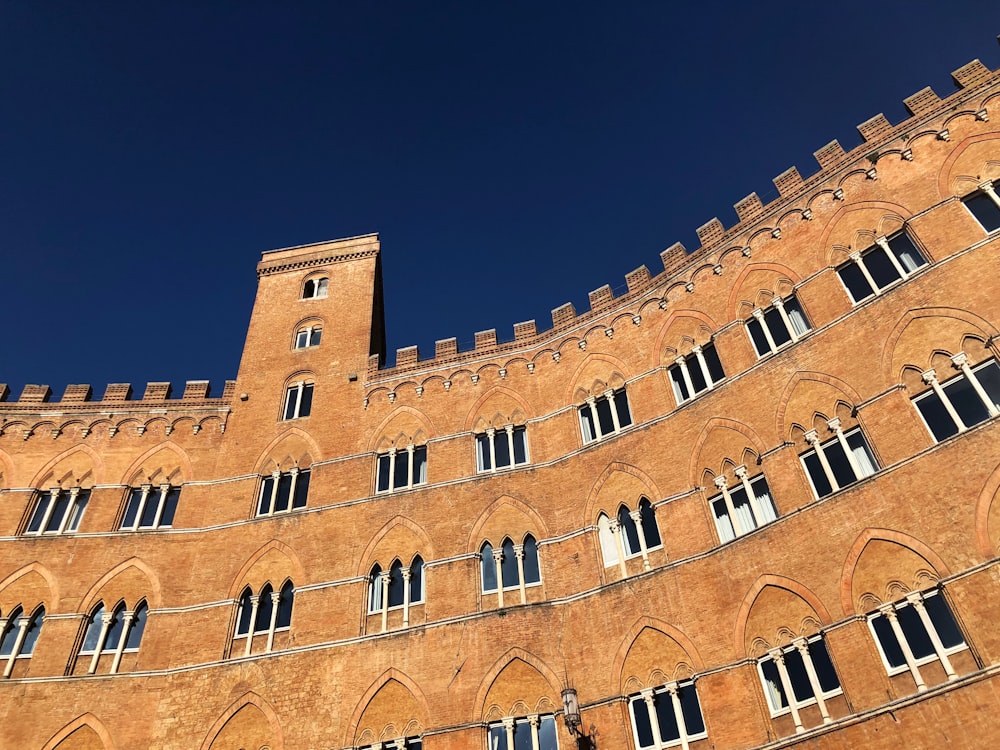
pixel 115 631
pixel 498 737
pixel 305 406
pixel 776 325
pixel 152 505
pixel 681 392
pixel 713 362
pixel 609 548
pixel 170 506
pixel 944 622
pixel 630 534
pixel 301 489
pixel 281 502
pixel 887 640
pixel 587 424
pixel 291 397
pixel 772 685
pixel 640 720
pixel 697 376
pixel 76 511
pixel 266 489
pixel 815 470
pixel 531 572
pixel 691 710
pixel 915 632
pixel 824 666
pixel 284 618
pixel 400 477
pixel 375 589
pixel 966 401
pixel 396 589
pixel 36 518
pixel 909 257
pixel 741 504
pixel 547 734
pixel 489 568
pixel 520 446
pixel 34 630
pixel 938 419
pixel 317 334
pixel 10 633
pixel 855 281
pixel 417 579
pixel 90 640
pixel 243 616
pixel 839 463
pixel 264 607
pixel 134 498
pixel 665 717
pixel 762 499
pixel 483 453
pixel 723 524
pixel 382 482
pixel 62 505
pixel 522 736
pixel 649 528
pixel 621 406
pixel 508 567
pixel 604 416
pixel 880 267
pixel 988 376
pixel 984 209
pixel 302 339
pixel 420 464
pixel 797 317
pixel 798 676
pixel 863 456
pixel 138 626
pixel 757 336
pixel 502 447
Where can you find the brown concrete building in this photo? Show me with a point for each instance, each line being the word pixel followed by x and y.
pixel 754 501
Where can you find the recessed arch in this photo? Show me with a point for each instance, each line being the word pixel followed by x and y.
pixel 391 675
pixel 497 391
pixel 849 394
pixel 87 724
pixel 35 568
pixel 650 490
pixel 151 592
pixel 534 524
pixel 511 657
pixel 777 268
pixel 948 179
pixel 616 677
pixel 76 466
pixel 424 546
pixel 297 572
pixel 592 365
pixel 712 426
pixel 314 451
pixel 252 702
pixel 168 446
pixel 988 498
pixel 409 421
pixel 779 582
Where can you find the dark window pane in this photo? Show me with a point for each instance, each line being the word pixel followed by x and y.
pixel 680 387
pixel 413 743
pixel 264 607
pixel 309 289
pixel 758 337
pixel 772 680
pixel 880 267
pixel 420 464
pixel 401 474
pixel 375 588
pixel 243 616
pixel 483 452
pixel 640 720
pixel 587 421
pixel 936 416
pixel 817 475
pixel 649 528
pixel 723 522
pixel 76 512
pixel 665 717
pixel 839 463
pixel 508 567
pixel 301 489
pixel 824 667
pixel 713 362
pixel 776 325
pixel 520 446
pixel 382 482
pixel 417 579
pixel 36 518
pixel 10 633
pixel 887 639
pixel 984 209
pixel 547 734
pixel 691 709
pixel 498 737
pixel 944 623
pixel 629 531
pixel 34 630
pixel 170 506
pixel 988 376
pixel 489 568
pixel 502 447
pixel 796 315
pixel 132 509
pixel 967 403
pixel 604 416
pixel 531 571
pixel 855 281
pixel 284 618
pixel 281 502
pixel 317 334
pixel 797 675
pixel 915 632
pixel 138 626
pixel 697 376
pixel 291 398
pixel 397 591
pixel 305 406
pixel 906 252
pixel 115 630
pixel 741 504
pixel 302 339
pixel 152 505
pixel 266 489
pixel 90 640
pixel 621 406
pixel 62 505
pixel 522 736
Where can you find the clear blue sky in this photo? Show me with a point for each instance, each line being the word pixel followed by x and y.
pixel 513 156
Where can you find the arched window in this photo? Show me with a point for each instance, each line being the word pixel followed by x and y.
pixel 395 589
pixel 488 567
pixel 632 533
pixel 677 713
pixel 742 507
pixel 263 614
pixel 515 567
pixel 782 322
pixel 838 461
pixel 285 601
pixel 244 615
pixel 18 634
pixel 150 507
pixel 797 676
pixel 308 336
pixel 417 579
pixel 315 288
pixel 960 399
pixel 298 400
pixel 111 635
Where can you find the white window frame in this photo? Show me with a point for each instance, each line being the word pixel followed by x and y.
pixel 911 663
pixel 508 724
pixel 311 335
pixel 295 391
pixel 791 325
pixel 762 513
pixel 840 437
pixel 819 696
pixel 682 365
pixel 590 407
pixel 272 627
pixel 295 473
pixel 320 287
pixel 378 592
pixel 16 619
pixel 858 258
pixel 498 558
pixel 414 478
pixel 615 546
pixel 960 362
pixel 648 697
pixel 150 494
pixel 507 433
pixel 987 188
pixel 103 647
pixel 71 516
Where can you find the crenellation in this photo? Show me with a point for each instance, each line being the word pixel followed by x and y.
pixel 710 231
pixel 228 390
pixel 921 102
pixel 33 394
pixel 971 74
pixel 563 315
pixel 525 330
pixel 601 299
pixel 673 258
pixel 407 355
pixel 788 181
pixel 749 208
pixel 118 392
pixel 638 280
pixel 157 392
pixel 486 340
pixel 196 390
pixel 4 392
pixel 77 393
pixel 830 155
pixel 446 347
pixel 875 127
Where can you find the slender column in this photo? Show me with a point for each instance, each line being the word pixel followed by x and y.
pixel 930 377
pixel 616 531
pixel 675 699
pixel 69 509
pixel 917 602
pixel 294 472
pixel 987 187
pixel 491 437
pixel 883 243
pixel 298 399
pixel 127 618
pixel 53 499
pixel 786 685
pixel 595 420
pixel 741 474
pixel 508 725
pixel 860 263
pixel 106 619
pixel 22 631
pixel 720 482
pixel 509 429
pixel 392 469
pixel 533 722
pixel 779 305
pixel 834 425
pixel 647 696
pixel 146 489
pixel 164 489
pixel 813 439
pixel 904 645
pixel 497 559
pixel 686 375
pixel 275 478
pixel 759 315
pixel 519 554
pixel 703 364
pixel 254 606
pixel 610 396
pixel 384 582
pixel 409 464
pixel 961 361
pixel 802 646
pixel 275 601
pixel 636 515
pixel 407 577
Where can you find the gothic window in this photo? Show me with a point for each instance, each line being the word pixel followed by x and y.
pixel 631 533
pixel 743 507
pixel 605 415
pixel 283 491
pixel 298 400
pixel 18 633
pixel 697 372
pixel 399 587
pixel 887 261
pixel 315 288
pixel 797 676
pixel 985 206
pixel 111 634
pixel 838 462
pixel 536 732
pixel 58 511
pixel 401 469
pixel 514 566
pixel 150 507
pixel 666 716
pixel 771 328
pixel 969 397
pixel 501 448
pixel 263 614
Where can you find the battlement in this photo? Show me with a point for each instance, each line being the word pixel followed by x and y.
pixel 880 139
pixel 79 397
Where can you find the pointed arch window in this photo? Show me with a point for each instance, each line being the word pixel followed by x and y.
pixel 839 461
pixel 397 588
pixel 534 732
pixel 962 401
pixel 58 511
pixel 666 716
pixel 699 371
pixel 797 676
pixel 298 400
pixel 283 491
pixel 151 507
pixel 18 633
pixel 109 635
pixel 889 260
pixel 605 415
pixel 740 508
pixel 631 533
pixel 263 614
pixel 781 323
pixel 500 448
pixel 308 336
pixel 984 204
pixel 513 566
pixel 401 469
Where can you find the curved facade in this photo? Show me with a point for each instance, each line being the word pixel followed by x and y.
pixel 750 502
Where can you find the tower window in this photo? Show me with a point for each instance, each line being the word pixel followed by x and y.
pixel 298 400
pixel 315 288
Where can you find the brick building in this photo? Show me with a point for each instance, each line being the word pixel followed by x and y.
pixel 754 501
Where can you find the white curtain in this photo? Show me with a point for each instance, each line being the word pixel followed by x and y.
pixel 797 319
pixel 764 504
pixel 609 549
pixel 863 457
pixel 722 523
pixel 910 260
pixel 744 515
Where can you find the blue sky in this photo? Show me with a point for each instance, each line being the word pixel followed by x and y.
pixel 513 156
